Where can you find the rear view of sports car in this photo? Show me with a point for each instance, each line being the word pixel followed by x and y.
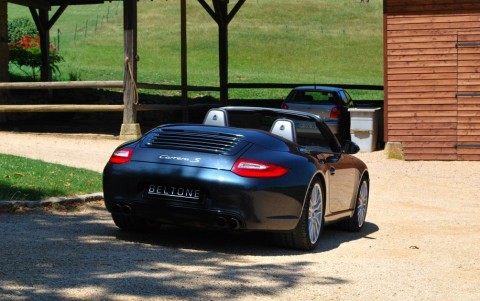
pixel 243 169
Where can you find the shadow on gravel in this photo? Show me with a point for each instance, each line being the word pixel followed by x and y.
pixel 238 243
pixel 46 256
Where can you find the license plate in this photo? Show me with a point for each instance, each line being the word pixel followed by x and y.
pixel 174 192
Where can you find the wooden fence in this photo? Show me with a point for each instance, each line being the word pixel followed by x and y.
pixel 6 108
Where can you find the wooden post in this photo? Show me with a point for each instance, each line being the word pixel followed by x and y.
pixel 221 15
pixel 130 129
pixel 222 11
pixel 3 42
pixel 46 71
pixel 44 24
pixel 184 66
pixel 3 52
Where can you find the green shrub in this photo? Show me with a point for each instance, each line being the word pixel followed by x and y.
pixel 26 53
pixel 20 27
pixel 24 47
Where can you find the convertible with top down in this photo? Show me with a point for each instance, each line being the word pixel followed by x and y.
pixel 243 169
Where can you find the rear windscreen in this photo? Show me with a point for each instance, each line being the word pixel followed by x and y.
pixel 312 97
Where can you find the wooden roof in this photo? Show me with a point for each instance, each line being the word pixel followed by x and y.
pixel 47 4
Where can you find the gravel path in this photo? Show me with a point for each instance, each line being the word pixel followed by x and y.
pixel 421 242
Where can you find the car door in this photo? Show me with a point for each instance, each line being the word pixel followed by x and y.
pixel 317 139
pixel 341 182
pixel 341 172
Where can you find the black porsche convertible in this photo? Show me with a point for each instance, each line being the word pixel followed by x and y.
pixel 243 169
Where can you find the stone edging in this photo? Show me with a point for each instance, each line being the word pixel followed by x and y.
pixel 54 200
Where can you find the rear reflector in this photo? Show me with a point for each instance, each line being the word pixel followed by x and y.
pixel 256 169
pixel 121 156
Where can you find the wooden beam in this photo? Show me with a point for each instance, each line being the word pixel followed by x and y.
pixel 38 4
pixel 59 108
pixel 57 15
pixel 36 18
pixel 235 10
pixel 91 108
pixel 77 2
pixel 209 10
pixel 60 85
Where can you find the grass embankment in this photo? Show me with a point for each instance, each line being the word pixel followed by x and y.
pixel 270 41
pixel 26 179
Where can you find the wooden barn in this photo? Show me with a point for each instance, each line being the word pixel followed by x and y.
pixel 432 78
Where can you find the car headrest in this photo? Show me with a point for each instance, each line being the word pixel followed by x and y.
pixel 284 128
pixel 216 117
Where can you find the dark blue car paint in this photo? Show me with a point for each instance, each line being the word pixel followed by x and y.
pixel 271 204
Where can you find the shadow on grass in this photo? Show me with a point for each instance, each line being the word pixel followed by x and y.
pixel 49 256
pixel 12 193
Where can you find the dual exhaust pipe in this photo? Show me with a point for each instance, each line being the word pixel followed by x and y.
pixel 231 223
pixel 126 210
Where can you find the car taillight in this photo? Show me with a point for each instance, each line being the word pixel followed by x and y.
pixel 121 156
pixel 334 113
pixel 284 106
pixel 256 169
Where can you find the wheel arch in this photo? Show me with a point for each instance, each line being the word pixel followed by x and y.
pixel 321 177
pixel 364 174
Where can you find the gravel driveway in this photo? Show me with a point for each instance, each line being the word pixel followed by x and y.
pixel 421 242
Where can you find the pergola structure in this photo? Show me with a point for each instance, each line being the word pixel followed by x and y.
pixel 46 12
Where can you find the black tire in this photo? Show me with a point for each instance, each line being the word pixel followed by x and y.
pixel 356 222
pixel 306 234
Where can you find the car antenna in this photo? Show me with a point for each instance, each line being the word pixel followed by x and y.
pixel 314 82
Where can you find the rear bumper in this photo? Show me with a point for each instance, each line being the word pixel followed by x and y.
pixel 256 204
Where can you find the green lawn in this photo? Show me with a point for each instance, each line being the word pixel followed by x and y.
pixel 278 41
pixel 27 179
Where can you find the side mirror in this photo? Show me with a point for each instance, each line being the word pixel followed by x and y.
pixel 350 147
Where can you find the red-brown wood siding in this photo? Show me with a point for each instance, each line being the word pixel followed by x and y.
pixel 468 127
pixel 424 71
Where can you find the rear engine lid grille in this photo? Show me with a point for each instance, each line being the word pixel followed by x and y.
pixel 197 141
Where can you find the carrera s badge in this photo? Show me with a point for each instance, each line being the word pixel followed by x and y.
pixel 184 159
